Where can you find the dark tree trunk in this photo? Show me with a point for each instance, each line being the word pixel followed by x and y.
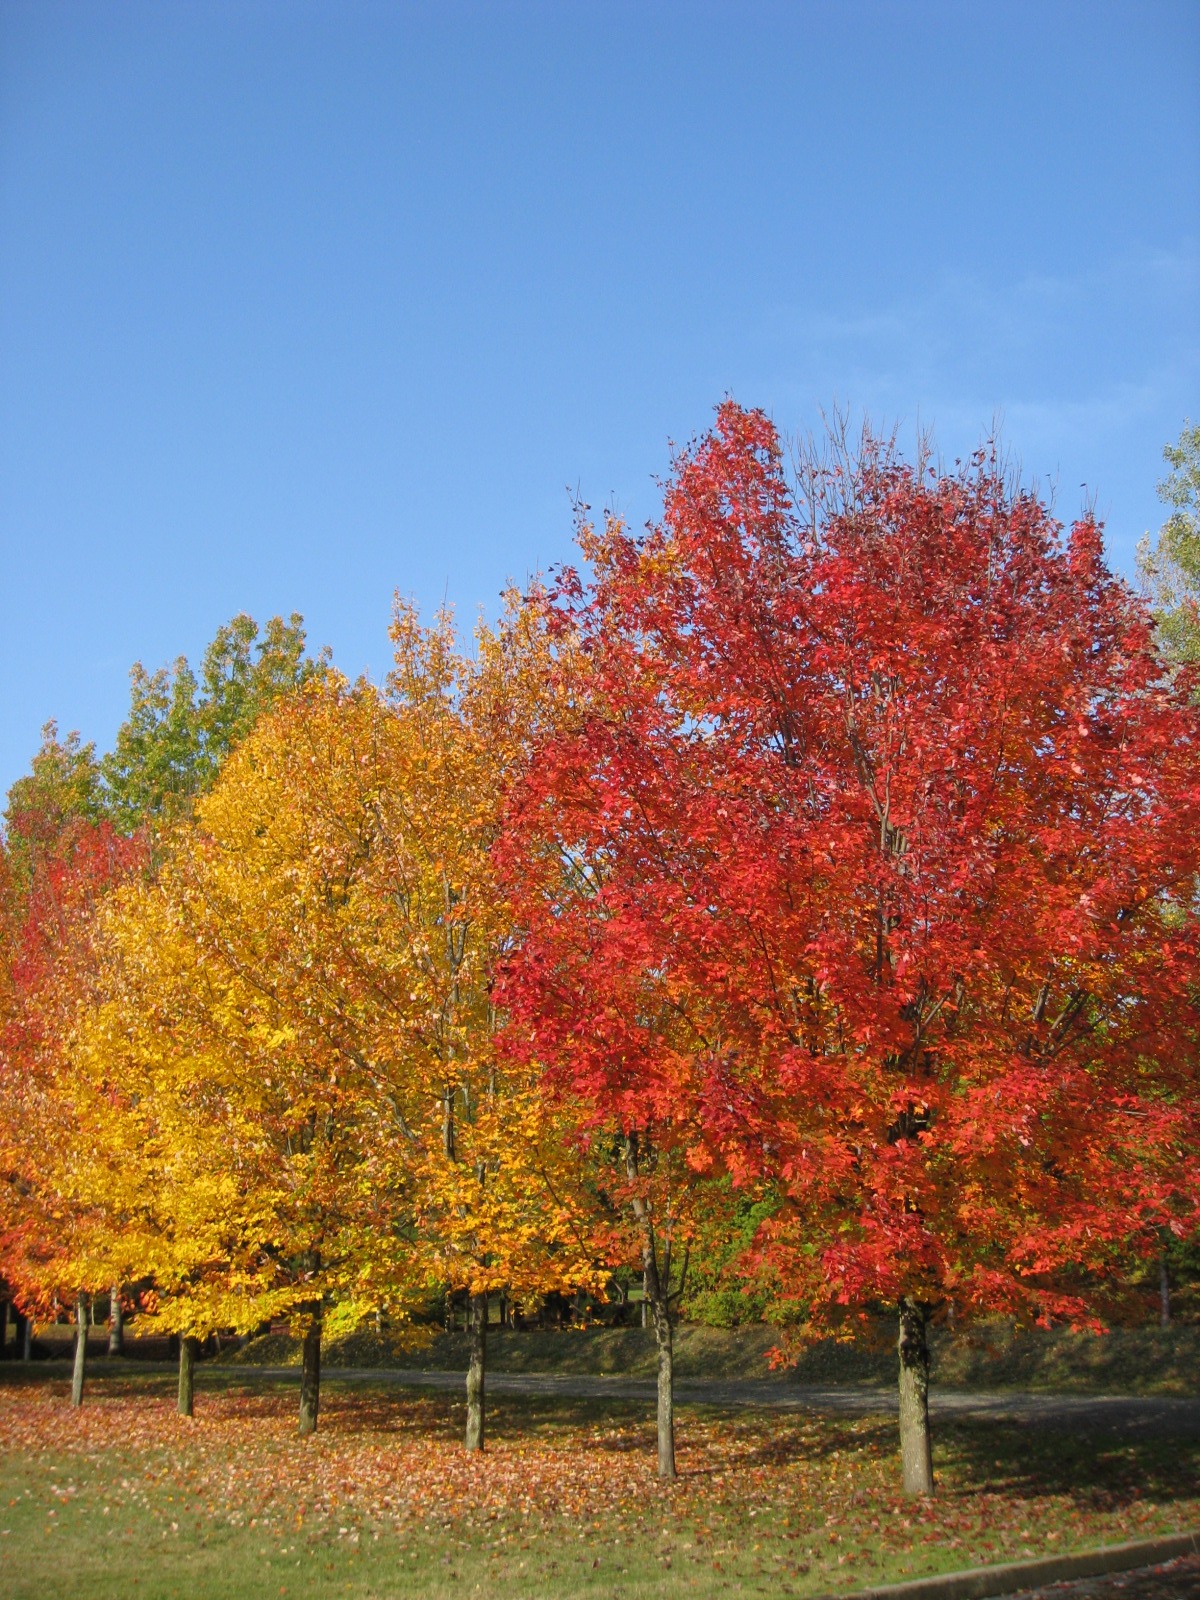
pixel 26 1337
pixel 1164 1290
pixel 476 1371
pixel 310 1371
pixel 645 1301
pixel 188 1350
pixel 3 1327
pixel 82 1309
pixel 116 1322
pixel 915 1452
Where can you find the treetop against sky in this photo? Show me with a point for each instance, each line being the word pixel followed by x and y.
pixel 300 304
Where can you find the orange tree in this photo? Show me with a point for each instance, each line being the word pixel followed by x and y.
pixel 881 825
pixel 504 1197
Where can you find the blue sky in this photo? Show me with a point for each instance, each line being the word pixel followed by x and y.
pixel 301 304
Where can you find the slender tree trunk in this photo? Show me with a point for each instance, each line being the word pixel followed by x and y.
pixel 658 1290
pixel 188 1348
pixel 1164 1290
pixel 82 1309
pixel 645 1301
pixel 310 1372
pixel 915 1452
pixel 664 1336
pixel 26 1337
pixel 476 1371
pixel 3 1327
pixel 116 1322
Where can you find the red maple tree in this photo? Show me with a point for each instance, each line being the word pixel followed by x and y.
pixel 868 869
pixel 46 968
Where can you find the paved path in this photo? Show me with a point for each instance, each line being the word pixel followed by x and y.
pixel 1133 1415
pixel 1115 1413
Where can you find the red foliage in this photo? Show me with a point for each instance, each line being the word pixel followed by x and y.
pixel 47 955
pixel 881 830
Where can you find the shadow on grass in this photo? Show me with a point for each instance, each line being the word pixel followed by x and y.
pixel 1103 1468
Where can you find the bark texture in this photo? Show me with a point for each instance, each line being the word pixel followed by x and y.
pixel 664 1337
pixel 310 1371
pixel 188 1349
pixel 116 1322
pixel 915 1451
pixel 476 1371
pixel 82 1312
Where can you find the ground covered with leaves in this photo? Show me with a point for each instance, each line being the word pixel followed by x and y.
pixel 384 1501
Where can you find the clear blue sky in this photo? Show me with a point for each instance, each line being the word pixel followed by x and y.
pixel 300 304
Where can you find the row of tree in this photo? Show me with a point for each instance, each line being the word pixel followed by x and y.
pixel 826 855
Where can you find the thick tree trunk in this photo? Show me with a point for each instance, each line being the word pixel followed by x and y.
pixel 476 1370
pixel 915 1452
pixel 116 1323
pixel 82 1310
pixel 1164 1290
pixel 310 1371
pixel 188 1348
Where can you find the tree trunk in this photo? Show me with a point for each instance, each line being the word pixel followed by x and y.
pixel 1164 1290
pixel 915 1452
pixel 645 1300
pixel 3 1327
pixel 82 1310
pixel 656 1287
pixel 188 1347
pixel 116 1323
pixel 26 1337
pixel 666 1391
pixel 476 1369
pixel 310 1372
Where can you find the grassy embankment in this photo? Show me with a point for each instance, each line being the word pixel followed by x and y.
pixel 993 1356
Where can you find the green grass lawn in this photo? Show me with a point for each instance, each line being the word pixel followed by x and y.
pixel 384 1501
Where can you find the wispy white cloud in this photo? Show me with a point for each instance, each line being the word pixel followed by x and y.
pixel 1086 373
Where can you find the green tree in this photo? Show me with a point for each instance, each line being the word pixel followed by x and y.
pixel 180 728
pixel 63 786
pixel 1170 566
